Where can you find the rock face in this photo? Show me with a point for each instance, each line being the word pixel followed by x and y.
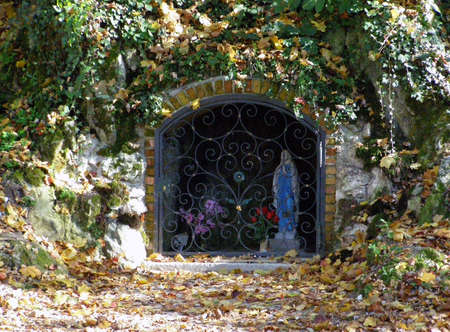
pixel 354 184
pixel 444 172
pixel 126 244
pixel 47 222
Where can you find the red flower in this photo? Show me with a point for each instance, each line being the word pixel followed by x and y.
pixel 258 211
pixel 253 219
pixel 269 215
pixel 265 210
pixel 276 219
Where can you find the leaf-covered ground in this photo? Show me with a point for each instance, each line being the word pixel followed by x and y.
pixel 357 289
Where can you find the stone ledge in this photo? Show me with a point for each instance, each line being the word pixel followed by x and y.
pixel 211 267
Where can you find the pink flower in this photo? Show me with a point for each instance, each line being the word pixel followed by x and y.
pixel 300 100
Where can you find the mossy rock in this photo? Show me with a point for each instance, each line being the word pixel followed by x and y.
pixel 31 254
pixel 34 176
pixel 88 209
pixel 51 144
pixel 113 194
pixel 68 197
pixel 436 204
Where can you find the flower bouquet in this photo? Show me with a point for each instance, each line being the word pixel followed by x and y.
pixel 265 220
pixel 203 222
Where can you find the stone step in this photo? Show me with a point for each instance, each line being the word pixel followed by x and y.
pixel 212 267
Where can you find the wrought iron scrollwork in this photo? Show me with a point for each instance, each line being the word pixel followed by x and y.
pixel 224 157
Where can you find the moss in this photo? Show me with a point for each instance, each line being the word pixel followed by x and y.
pixel 34 176
pixel 89 208
pixel 18 176
pixel 51 144
pixel 32 254
pixel 126 133
pixel 434 205
pixel 68 197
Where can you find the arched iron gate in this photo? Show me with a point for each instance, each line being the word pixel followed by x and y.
pixel 214 175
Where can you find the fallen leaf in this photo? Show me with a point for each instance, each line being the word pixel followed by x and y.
pixel 196 104
pixel 31 271
pixel 370 322
pixel 387 161
pixel 428 277
pixel 21 64
pixel 179 258
pixel 291 253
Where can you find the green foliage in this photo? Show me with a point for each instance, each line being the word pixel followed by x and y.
pixel 317 6
pixel 427 259
pixel 97 230
pixel 371 152
pixel 67 196
pixel 384 257
pixel 436 204
pixel 28 201
pixel 57 54
pixel 410 45
pixel 34 176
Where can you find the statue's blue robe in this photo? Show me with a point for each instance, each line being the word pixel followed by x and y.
pixel 286 201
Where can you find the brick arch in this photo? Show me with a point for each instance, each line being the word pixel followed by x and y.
pixel 179 98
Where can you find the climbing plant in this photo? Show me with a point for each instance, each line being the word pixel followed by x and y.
pixel 58 55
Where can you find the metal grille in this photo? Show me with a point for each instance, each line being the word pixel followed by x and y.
pixel 214 173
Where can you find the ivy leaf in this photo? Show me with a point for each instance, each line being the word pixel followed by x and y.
pixel 319 25
pixel 309 4
pixel 294 4
pixel 319 5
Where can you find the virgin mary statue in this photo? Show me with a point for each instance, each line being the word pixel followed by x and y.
pixel 285 191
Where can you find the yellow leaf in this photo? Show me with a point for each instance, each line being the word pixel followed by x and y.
pixel 196 104
pixel 305 62
pixel 83 291
pixel 155 25
pixel 387 161
pixel 294 54
pixel 348 286
pixel 156 257
pixel 370 322
pixel 30 271
pixel 291 253
pixel 69 254
pixel 394 15
pixel 398 236
pixel 179 258
pixel 166 112
pixel 21 63
pixel 148 63
pixel 427 277
pixel 319 25
pixel 277 43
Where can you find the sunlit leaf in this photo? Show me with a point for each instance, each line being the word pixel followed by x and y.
pixel 30 271
pixel 319 25
pixel 195 104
